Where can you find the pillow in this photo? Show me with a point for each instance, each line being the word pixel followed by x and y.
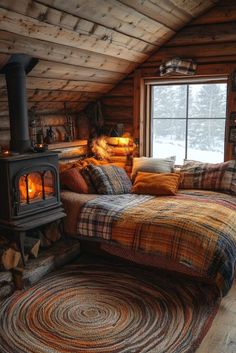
pixel 109 179
pixel 152 165
pixel 86 175
pixel 73 180
pixel 208 176
pixel 156 184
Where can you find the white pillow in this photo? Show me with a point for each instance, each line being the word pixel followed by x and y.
pixel 152 165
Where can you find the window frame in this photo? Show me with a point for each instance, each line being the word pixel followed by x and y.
pixel 146 112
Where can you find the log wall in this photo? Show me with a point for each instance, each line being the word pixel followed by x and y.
pixel 210 40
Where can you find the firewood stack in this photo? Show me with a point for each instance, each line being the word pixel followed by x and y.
pixel 10 256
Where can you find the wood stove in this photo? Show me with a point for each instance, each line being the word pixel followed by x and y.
pixel 29 186
pixel 29 182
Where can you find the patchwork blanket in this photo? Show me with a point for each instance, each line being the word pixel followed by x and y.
pixel 195 228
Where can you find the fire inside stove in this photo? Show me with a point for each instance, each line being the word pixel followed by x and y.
pixel 36 186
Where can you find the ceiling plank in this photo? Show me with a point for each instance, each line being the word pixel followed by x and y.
pixel 114 15
pixel 69 72
pixel 11 43
pixel 53 96
pixel 63 19
pixel 53 84
pixel 29 27
pixel 160 11
pixel 194 7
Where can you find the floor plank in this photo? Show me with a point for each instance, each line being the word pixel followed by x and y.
pixel 221 338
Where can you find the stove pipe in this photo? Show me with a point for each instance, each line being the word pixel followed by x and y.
pixel 17 102
pixel 15 71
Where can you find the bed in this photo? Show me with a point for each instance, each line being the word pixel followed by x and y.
pixel 194 232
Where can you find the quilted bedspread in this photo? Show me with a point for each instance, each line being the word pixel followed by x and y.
pixel 195 228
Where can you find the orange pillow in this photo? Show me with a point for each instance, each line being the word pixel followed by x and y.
pixel 156 183
pixel 73 180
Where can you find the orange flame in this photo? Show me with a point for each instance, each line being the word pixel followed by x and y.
pixel 34 187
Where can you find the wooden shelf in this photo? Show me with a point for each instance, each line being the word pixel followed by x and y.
pixel 75 143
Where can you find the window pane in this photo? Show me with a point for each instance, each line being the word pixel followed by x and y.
pixel 169 139
pixel 169 101
pixel 207 100
pixel 206 140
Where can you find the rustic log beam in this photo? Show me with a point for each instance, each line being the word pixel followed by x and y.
pixel 64 85
pixel 49 70
pixel 209 33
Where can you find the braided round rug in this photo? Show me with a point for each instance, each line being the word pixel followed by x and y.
pixel 107 308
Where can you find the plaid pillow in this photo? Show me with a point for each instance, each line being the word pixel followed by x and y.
pixel 86 175
pixel 109 179
pixel 207 176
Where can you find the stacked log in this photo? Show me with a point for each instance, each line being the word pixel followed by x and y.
pixel 6 284
pixel 9 254
pixel 122 151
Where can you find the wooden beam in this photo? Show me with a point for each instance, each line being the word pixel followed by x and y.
pixel 43 107
pixel 11 43
pixel 211 33
pixel 30 27
pixel 53 96
pixel 222 12
pixel 195 51
pixel 49 69
pixel 136 99
pixel 64 85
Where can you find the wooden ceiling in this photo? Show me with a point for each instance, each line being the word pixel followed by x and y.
pixel 86 47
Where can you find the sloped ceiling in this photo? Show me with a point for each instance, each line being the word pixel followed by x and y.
pixel 86 47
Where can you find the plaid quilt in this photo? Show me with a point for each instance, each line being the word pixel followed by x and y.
pixel 196 228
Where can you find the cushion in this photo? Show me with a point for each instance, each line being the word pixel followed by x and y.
pixel 86 175
pixel 73 180
pixel 152 165
pixel 109 179
pixel 209 176
pixel 156 184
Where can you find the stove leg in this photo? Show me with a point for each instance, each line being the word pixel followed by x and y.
pixel 21 240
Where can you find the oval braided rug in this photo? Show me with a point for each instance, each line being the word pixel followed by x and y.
pixel 107 308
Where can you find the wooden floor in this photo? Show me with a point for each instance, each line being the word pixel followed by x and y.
pixel 221 338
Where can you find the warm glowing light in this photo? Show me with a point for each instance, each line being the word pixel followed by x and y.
pixel 123 141
pixel 34 187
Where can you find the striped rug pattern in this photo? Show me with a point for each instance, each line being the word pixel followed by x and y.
pixel 95 308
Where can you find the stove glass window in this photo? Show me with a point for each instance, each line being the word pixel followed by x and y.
pixel 36 186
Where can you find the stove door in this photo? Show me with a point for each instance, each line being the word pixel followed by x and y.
pixel 35 188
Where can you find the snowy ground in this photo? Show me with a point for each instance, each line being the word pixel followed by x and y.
pixel 165 149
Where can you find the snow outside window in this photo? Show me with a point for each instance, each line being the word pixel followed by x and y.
pixel 188 121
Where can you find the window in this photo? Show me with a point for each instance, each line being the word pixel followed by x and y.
pixel 188 121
